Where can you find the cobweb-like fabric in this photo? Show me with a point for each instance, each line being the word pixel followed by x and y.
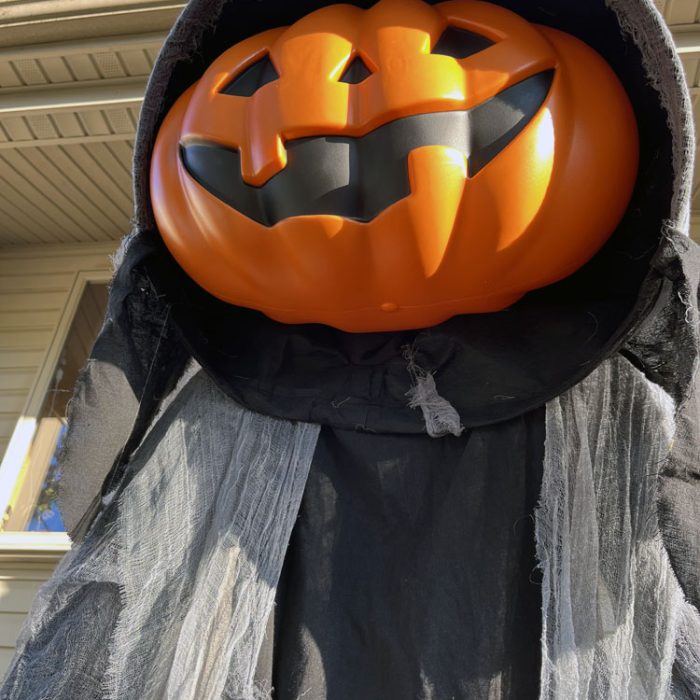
pixel 615 622
pixel 168 595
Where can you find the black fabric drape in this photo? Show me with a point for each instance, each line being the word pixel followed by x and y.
pixel 411 571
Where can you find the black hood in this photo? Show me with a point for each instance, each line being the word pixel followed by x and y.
pixel 490 367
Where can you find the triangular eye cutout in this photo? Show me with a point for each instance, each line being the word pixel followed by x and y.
pixel 356 72
pixel 460 43
pixel 252 79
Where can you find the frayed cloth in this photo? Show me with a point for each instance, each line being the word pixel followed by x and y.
pixel 440 416
pixel 615 620
pixel 169 593
pixel 212 494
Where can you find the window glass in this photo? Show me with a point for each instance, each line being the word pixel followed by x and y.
pixel 33 505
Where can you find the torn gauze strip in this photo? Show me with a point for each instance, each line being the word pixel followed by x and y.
pixel 615 621
pixel 440 416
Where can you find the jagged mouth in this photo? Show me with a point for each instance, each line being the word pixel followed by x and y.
pixel 359 178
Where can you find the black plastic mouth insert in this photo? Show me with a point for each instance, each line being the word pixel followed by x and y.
pixel 358 178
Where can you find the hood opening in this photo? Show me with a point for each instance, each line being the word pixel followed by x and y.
pixel 490 367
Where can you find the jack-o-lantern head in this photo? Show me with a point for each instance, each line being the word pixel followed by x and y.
pixel 389 168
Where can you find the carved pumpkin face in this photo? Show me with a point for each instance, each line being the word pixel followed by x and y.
pixel 389 168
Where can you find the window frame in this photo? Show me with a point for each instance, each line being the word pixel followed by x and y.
pixel 40 545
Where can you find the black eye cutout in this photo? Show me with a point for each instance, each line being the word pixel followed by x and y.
pixel 461 43
pixel 252 78
pixel 356 72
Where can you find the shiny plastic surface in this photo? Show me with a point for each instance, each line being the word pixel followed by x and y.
pixel 462 240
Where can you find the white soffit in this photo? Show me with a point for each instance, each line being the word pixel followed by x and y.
pixel 72 76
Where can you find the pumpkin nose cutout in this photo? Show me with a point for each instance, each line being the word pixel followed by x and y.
pixel 357 72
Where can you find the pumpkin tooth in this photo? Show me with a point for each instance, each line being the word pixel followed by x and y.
pixel 263 154
pixel 437 175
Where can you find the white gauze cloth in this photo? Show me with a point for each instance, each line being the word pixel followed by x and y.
pixel 614 617
pixel 177 575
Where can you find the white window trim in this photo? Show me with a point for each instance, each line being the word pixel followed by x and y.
pixel 20 547
pixel 21 544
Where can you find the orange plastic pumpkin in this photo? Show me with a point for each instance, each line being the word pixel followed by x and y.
pixel 389 168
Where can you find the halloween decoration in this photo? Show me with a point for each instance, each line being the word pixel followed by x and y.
pixel 503 506
pixel 389 168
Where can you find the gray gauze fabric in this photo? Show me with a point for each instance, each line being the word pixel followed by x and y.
pixel 136 360
pixel 615 620
pixel 169 593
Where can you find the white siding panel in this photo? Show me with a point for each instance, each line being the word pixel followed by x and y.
pixel 35 283
pixel 48 260
pixel 14 380
pixel 11 402
pixel 16 596
pixel 6 655
pixel 21 360
pixel 10 624
pixel 34 301
pixel 75 202
pixel 24 340
pixel 18 585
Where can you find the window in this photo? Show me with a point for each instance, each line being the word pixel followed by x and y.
pixel 30 500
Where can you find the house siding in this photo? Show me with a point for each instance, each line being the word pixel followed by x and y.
pixel 35 283
pixel 18 586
